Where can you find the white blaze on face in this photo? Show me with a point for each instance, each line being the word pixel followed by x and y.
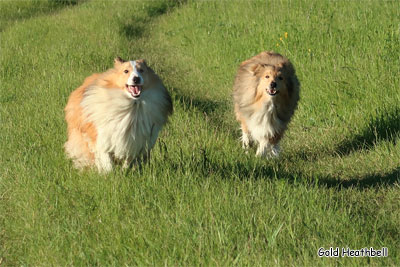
pixel 135 73
pixel 133 88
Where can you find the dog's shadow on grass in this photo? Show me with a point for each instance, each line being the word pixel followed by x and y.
pixel 247 171
pixel 384 127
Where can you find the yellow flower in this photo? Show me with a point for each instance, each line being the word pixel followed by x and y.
pixel 309 50
pixel 286 34
pixel 281 39
pixel 277 44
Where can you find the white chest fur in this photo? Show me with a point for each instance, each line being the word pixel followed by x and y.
pixel 264 123
pixel 125 127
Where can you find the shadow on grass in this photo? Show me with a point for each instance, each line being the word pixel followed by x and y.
pixel 367 181
pixel 202 162
pixel 133 30
pixel 22 10
pixel 135 27
pixel 384 127
pixel 66 2
pixel 217 113
pixel 160 8
pixel 203 105
pixel 244 172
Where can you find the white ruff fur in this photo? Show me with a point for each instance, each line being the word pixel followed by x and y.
pixel 126 128
pixel 264 124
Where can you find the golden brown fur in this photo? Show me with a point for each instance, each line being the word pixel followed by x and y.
pixel 266 92
pixel 112 118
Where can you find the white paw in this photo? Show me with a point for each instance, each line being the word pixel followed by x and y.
pixel 268 151
pixel 104 162
pixel 126 164
pixel 275 150
pixel 245 141
pixel 261 151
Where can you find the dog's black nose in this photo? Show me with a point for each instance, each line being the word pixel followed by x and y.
pixel 136 79
pixel 273 85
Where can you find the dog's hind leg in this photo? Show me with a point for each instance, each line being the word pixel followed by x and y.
pixel 78 149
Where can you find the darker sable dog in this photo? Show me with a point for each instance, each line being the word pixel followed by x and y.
pixel 266 92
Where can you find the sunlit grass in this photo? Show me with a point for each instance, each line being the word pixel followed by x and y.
pixel 201 200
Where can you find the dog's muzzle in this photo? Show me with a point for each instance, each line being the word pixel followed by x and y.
pixel 134 89
pixel 272 89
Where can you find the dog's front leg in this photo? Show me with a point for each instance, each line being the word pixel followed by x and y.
pixel 266 149
pixel 146 156
pixel 275 150
pixel 103 162
pixel 262 149
pixel 127 163
pixel 245 138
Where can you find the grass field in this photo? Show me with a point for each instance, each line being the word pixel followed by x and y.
pixel 201 200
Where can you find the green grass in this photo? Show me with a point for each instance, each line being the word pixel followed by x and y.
pixel 201 200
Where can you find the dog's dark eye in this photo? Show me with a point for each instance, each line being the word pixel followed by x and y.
pixel 140 70
pixel 280 78
pixel 126 71
pixel 267 76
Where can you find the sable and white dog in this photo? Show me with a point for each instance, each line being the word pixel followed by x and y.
pixel 266 92
pixel 116 116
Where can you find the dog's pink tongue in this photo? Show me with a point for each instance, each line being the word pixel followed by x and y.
pixel 134 89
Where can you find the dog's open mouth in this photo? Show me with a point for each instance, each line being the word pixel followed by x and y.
pixel 134 90
pixel 272 91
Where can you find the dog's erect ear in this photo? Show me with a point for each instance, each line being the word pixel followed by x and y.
pixel 256 68
pixel 118 61
pixel 141 61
